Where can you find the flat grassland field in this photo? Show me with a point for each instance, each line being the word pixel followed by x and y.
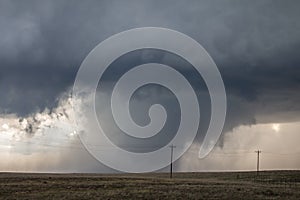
pixel 203 185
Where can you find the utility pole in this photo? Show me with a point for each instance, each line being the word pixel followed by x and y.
pixel 171 163
pixel 257 167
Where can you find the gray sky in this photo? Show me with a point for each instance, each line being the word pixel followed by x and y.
pixel 255 45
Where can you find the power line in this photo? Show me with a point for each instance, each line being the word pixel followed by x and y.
pixel 171 163
pixel 76 144
pixel 283 154
pixel 257 167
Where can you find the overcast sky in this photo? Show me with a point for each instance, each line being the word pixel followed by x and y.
pixel 255 45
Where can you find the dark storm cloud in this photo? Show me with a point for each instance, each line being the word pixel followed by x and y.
pixel 255 44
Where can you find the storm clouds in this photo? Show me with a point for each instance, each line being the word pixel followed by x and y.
pixel 255 44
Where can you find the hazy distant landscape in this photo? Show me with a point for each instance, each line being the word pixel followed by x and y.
pixel 206 185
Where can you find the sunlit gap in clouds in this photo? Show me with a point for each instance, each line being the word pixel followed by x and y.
pixel 276 127
pixel 39 132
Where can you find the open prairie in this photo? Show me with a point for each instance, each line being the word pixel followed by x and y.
pixel 203 185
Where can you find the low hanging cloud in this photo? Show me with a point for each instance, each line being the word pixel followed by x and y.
pixel 26 135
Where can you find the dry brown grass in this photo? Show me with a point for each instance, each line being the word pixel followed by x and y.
pixel 225 185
